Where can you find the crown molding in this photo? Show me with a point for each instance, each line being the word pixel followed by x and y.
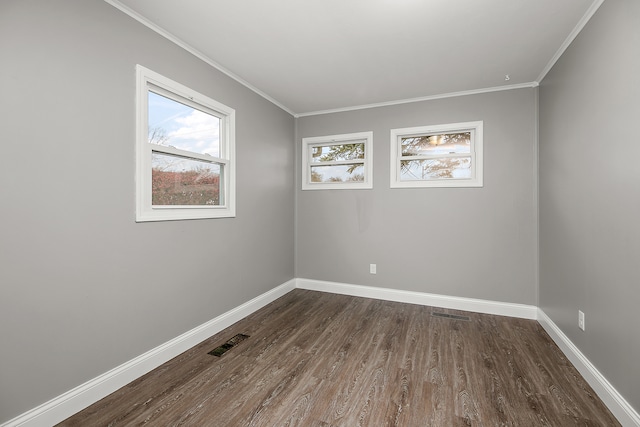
pixel 422 98
pixel 135 15
pixel 572 35
pixel 176 40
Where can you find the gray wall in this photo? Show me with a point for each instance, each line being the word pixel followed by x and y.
pixel 590 193
pixel 83 288
pixel 468 242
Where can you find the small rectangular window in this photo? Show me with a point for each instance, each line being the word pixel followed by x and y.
pixel 185 152
pixel 437 156
pixel 337 161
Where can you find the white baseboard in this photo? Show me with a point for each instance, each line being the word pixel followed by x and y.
pixel 621 409
pixel 444 301
pixel 73 401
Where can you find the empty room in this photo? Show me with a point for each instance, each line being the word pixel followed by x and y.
pixel 319 213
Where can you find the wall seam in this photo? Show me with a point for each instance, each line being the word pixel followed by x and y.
pixel 295 196
pixel 536 192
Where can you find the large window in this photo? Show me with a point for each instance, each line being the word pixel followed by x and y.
pixel 185 152
pixel 337 161
pixel 437 156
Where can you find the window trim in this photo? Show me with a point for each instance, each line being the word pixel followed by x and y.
pixel 476 180
pixel 367 162
pixel 146 80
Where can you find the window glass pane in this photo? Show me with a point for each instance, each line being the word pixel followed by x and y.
pixel 338 173
pixel 445 168
pixel 180 126
pixel 437 144
pixel 330 153
pixel 180 181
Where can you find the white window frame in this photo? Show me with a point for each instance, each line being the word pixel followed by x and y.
pixel 348 138
pixel 146 80
pixel 476 180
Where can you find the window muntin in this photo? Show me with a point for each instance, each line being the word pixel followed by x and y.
pixel 185 152
pixel 437 156
pixel 337 161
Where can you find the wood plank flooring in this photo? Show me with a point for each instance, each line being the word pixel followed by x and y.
pixel 319 359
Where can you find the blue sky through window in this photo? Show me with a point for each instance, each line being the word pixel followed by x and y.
pixel 181 126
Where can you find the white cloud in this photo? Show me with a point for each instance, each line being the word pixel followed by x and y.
pixel 198 132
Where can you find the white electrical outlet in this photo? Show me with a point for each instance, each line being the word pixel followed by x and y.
pixel 372 268
pixel 580 320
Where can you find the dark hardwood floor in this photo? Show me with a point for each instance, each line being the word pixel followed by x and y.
pixel 319 359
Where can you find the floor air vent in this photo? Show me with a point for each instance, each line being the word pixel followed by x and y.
pixel 451 316
pixel 219 351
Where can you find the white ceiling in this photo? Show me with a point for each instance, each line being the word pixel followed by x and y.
pixel 316 55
